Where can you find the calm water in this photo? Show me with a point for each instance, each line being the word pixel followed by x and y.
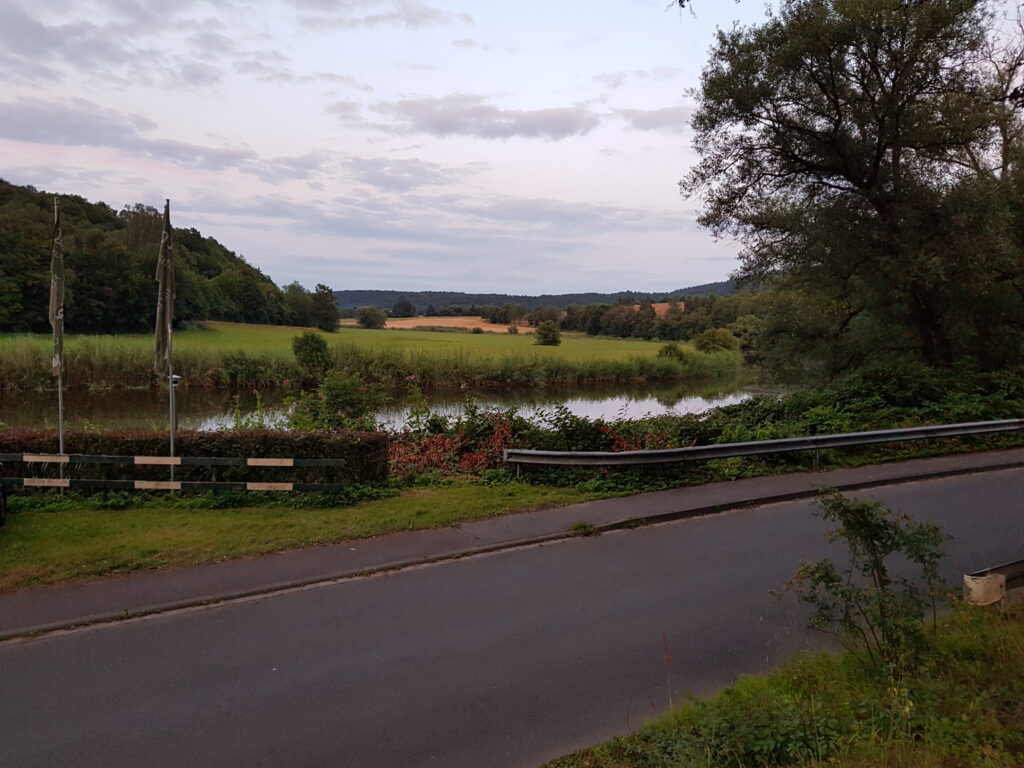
pixel 201 409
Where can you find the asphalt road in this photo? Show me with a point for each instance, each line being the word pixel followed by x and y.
pixel 508 659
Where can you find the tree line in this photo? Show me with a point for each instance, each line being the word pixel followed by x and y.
pixel 110 260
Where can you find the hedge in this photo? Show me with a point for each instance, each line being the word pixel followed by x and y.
pixel 365 454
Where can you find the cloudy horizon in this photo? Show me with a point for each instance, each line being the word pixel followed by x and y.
pixel 380 144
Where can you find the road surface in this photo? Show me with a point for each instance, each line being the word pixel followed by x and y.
pixel 508 659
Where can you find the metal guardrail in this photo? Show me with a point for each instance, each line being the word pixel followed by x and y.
pixel 755 448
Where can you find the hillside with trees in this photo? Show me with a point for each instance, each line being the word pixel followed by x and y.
pixel 110 260
pixel 457 303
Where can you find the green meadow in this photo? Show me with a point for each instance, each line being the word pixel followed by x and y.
pixel 238 355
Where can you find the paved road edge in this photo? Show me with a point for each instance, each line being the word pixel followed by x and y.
pixel 630 521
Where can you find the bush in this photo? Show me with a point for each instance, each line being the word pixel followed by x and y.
pixel 343 401
pixel 477 329
pixel 371 317
pixel 548 334
pixel 365 454
pixel 861 603
pixel 673 351
pixel 513 329
pixel 310 350
pixel 716 340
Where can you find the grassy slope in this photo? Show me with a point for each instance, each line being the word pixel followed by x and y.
pixel 963 707
pixel 42 546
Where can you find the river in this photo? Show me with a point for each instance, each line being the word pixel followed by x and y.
pixel 205 409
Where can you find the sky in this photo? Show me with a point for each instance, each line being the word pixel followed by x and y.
pixel 530 147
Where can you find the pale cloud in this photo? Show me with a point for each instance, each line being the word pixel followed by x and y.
pixel 471 115
pixel 79 122
pixel 615 80
pixel 356 14
pixel 400 174
pixel 668 119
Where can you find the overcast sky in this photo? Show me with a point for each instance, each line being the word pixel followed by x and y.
pixel 526 147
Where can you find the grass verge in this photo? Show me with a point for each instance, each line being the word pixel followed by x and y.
pixel 52 541
pixel 963 707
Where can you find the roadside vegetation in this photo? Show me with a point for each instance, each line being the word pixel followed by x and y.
pixel 961 706
pixel 909 691
pixel 50 538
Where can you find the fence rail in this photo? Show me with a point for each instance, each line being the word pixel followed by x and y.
pixel 70 459
pixel 755 448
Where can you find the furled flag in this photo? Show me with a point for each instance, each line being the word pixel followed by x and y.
pixel 164 298
pixel 57 291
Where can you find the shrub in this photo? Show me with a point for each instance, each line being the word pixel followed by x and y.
pixel 673 351
pixel 371 317
pixel 310 350
pixel 862 604
pixel 716 340
pixel 513 329
pixel 343 401
pixel 548 334
pixel 477 329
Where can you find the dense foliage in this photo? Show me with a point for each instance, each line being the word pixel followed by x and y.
pixel 867 154
pixel 874 398
pixel 110 257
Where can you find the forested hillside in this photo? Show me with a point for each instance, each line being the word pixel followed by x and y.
pixel 110 260
pixel 421 300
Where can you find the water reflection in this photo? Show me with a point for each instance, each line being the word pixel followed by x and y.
pixel 204 409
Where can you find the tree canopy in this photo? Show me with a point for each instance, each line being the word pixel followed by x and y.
pixel 111 260
pixel 867 155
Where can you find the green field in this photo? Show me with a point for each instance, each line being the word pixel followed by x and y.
pixel 277 340
pixel 233 354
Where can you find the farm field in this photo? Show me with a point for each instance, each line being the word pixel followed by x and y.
pixel 225 355
pixel 277 340
pixel 467 323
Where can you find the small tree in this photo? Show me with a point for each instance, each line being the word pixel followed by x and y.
pixel 403 308
pixel 310 350
pixel 861 603
pixel 548 335
pixel 371 317
pixel 325 309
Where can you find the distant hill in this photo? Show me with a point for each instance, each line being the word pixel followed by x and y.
pixel 423 299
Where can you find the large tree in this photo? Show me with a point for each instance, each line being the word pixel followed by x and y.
pixel 865 152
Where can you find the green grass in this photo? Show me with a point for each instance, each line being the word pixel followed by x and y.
pixel 233 354
pixel 48 544
pixel 963 707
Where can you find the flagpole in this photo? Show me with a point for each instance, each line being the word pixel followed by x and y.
pixel 165 321
pixel 56 317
